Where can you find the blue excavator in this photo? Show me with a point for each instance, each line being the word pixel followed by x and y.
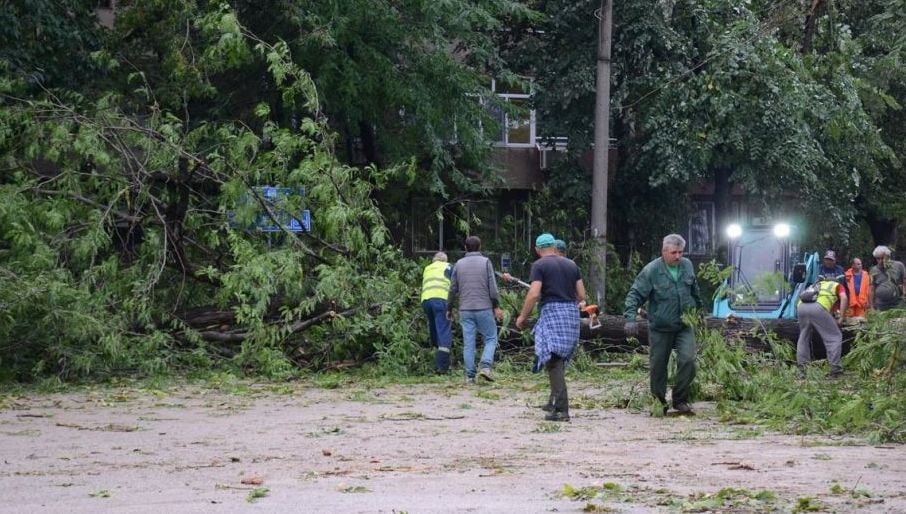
pixel 768 273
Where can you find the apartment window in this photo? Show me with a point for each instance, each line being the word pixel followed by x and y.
pixel 515 129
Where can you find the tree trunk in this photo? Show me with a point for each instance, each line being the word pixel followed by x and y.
pixel 610 333
pixel 722 186
pixel 808 31
pixel 883 231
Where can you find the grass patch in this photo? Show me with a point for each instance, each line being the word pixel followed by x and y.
pixel 808 504
pixel 352 489
pixel 761 387
pixel 548 427
pixel 485 394
pixel 256 493
pixel 730 500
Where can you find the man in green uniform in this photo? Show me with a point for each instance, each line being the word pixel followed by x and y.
pixel 669 287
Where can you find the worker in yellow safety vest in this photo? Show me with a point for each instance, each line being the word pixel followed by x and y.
pixel 435 288
pixel 818 315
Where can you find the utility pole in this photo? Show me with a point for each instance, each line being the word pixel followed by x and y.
pixel 602 145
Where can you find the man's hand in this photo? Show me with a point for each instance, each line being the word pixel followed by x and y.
pixel 450 314
pixel 520 322
pixel 631 329
pixel 498 313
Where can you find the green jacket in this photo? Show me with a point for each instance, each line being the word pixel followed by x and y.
pixel 667 299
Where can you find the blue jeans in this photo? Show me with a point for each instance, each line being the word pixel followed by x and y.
pixel 438 324
pixel 472 323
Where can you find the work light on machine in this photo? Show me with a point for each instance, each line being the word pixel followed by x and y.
pixel 734 230
pixel 781 230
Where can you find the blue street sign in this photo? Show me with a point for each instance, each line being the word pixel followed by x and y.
pixel 285 221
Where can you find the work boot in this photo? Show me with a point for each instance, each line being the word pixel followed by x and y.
pixel 557 415
pixel 683 408
pixel 442 361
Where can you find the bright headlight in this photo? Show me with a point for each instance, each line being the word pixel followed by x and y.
pixel 781 230
pixel 734 231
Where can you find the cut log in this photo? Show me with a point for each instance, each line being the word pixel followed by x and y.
pixel 752 331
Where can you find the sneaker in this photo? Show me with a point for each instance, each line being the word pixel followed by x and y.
pixel 485 374
pixel 470 380
pixel 557 416
pixel 835 374
pixel 683 408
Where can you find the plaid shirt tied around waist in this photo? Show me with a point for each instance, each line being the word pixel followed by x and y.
pixel 557 332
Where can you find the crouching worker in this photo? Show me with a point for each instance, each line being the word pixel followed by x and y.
pixel 557 284
pixel 818 316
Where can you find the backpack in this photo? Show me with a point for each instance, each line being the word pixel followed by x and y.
pixel 810 293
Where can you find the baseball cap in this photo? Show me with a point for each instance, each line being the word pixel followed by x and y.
pixel 545 240
pixel 830 254
pixel 560 245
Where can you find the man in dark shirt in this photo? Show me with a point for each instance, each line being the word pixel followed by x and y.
pixel 557 284
pixel 830 269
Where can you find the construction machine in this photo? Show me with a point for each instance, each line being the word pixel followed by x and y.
pixel 768 273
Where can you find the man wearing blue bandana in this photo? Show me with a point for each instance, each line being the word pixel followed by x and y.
pixel 557 284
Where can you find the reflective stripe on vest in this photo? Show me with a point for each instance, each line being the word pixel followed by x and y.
pixel 827 294
pixel 434 283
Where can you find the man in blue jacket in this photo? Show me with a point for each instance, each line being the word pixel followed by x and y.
pixel 669 287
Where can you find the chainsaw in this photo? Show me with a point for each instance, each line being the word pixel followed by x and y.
pixel 585 311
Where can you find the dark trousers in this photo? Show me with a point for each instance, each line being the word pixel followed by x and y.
pixel 438 324
pixel 813 318
pixel 661 345
pixel 556 373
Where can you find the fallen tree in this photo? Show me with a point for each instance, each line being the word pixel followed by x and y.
pixel 756 334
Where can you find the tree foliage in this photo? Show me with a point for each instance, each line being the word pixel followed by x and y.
pixel 49 42
pixel 118 253
pixel 724 92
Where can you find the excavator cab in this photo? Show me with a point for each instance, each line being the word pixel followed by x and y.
pixel 767 274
